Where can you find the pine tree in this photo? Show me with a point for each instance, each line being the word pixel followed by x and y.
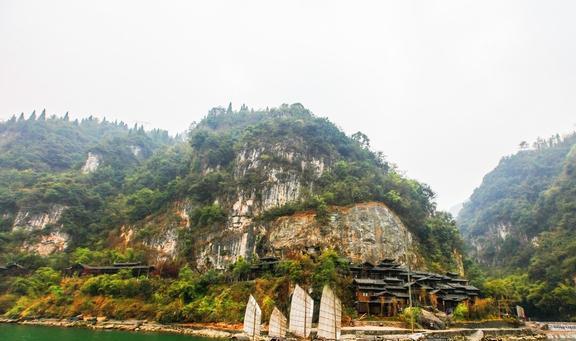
pixel 229 110
pixel 21 117
pixel 42 116
pixel 66 117
pixel 32 116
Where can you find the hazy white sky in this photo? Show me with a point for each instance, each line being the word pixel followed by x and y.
pixel 443 88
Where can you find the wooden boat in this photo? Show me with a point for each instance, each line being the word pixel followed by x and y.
pixel 252 318
pixel 301 309
pixel 278 325
pixel 330 320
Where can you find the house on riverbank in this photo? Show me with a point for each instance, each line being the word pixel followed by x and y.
pixel 385 289
pixel 13 269
pixel 136 268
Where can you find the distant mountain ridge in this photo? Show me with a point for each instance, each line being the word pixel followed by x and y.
pixel 522 220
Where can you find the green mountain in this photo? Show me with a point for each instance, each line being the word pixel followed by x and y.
pixel 231 189
pixel 48 177
pixel 241 186
pixel 520 223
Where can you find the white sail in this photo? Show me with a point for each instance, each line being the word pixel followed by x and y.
pixel 301 310
pixel 252 318
pixel 330 321
pixel 278 324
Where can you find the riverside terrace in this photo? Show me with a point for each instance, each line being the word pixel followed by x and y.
pixel 383 289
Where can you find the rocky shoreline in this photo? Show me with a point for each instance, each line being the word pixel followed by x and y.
pixel 128 325
pixel 222 331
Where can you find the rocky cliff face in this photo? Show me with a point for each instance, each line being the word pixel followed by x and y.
pixel 50 238
pixel 361 232
pixel 493 241
pixel 91 164
pixel 27 221
pixel 283 171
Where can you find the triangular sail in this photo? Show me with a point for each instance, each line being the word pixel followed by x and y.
pixel 252 318
pixel 330 321
pixel 278 324
pixel 301 310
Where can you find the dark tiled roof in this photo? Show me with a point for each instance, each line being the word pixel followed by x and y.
pixel 400 294
pixel 471 288
pixel 456 298
pixel 126 264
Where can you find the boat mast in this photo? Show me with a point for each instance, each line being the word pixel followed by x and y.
pixel 409 279
pixel 335 322
pixel 305 313
pixel 254 326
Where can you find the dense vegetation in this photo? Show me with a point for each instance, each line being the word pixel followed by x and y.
pixel 533 195
pixel 40 161
pixel 209 297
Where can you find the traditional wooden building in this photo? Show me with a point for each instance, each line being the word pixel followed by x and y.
pixel 137 269
pixel 13 269
pixel 267 264
pixel 383 289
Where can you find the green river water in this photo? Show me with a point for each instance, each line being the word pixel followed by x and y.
pixel 13 332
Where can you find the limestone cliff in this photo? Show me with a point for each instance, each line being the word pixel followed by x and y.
pixel 91 164
pixel 26 220
pixel 361 232
pixel 50 237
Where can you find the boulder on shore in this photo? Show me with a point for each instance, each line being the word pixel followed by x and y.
pixel 430 321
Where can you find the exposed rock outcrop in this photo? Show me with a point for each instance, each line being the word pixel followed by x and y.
pixel 492 240
pixel 284 172
pixel 362 232
pixel 25 220
pixel 159 234
pixel 91 164
pixel 136 151
pixel 51 240
pixel 55 241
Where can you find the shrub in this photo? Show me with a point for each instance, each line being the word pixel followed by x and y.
pixel 483 308
pixel 461 312
pixel 6 302
pixel 411 315
pixel 117 285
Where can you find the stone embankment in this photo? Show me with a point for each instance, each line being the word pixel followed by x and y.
pixel 399 334
pixel 556 330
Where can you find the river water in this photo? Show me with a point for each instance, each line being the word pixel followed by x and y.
pixel 14 332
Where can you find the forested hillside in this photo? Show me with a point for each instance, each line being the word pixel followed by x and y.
pixel 242 185
pixel 44 168
pixel 520 223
